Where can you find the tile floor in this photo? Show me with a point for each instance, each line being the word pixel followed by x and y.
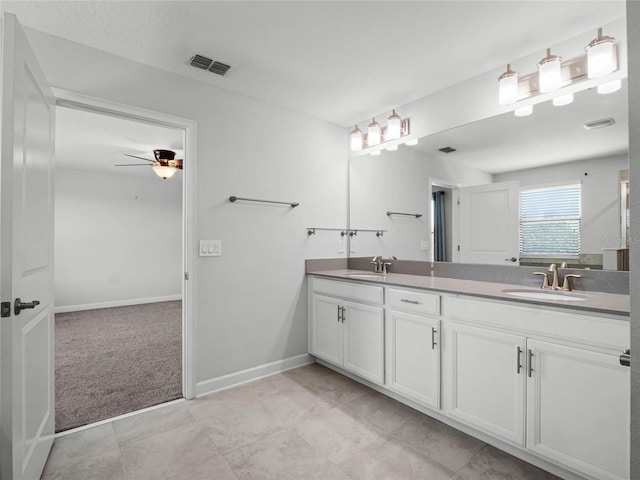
pixel 307 423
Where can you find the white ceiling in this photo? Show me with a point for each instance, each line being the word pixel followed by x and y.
pixel 550 135
pixel 339 61
pixel 96 142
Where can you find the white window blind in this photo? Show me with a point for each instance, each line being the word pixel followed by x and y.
pixel 550 220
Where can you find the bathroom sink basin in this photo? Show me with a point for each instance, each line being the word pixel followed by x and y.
pixel 544 294
pixel 370 276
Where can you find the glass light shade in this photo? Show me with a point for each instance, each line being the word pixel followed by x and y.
pixel 524 111
pixel 164 171
pixel 609 87
pixel 563 100
pixel 375 153
pixel 356 139
pixel 600 56
pixel 549 73
pixel 374 133
pixel 411 143
pixel 392 148
pixel 394 127
pixel 508 87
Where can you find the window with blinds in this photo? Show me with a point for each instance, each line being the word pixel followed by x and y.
pixel 550 221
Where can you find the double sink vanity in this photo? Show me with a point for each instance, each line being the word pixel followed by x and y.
pixel 535 372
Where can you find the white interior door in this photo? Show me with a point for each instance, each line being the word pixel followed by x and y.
pixel 488 224
pixel 26 268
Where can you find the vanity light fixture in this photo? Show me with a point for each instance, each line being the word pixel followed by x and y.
pixel 601 57
pixel 609 87
pixel 508 87
pixel 524 111
pixel 394 126
pixel 563 100
pixel 549 74
pixel 356 139
pixel 376 134
pixel 553 74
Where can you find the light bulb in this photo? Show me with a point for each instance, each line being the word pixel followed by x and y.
pixel 563 100
pixel 411 142
pixel 374 133
pixel 609 87
pixel 375 153
pixel 549 75
pixel 600 56
pixel 164 171
pixel 356 139
pixel 392 148
pixel 524 111
pixel 394 127
pixel 508 87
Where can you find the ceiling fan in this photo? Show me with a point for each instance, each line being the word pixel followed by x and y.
pixel 165 163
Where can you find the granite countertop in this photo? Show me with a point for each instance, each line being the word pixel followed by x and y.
pixel 609 303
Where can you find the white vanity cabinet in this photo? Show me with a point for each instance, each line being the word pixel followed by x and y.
pixel 578 409
pixel 486 381
pixel 412 338
pixel 345 330
pixel 553 374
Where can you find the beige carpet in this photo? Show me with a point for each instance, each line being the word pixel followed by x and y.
pixel 116 360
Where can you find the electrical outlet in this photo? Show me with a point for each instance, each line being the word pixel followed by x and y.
pixel 341 245
pixel 424 245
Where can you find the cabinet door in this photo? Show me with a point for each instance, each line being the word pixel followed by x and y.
pixel 578 409
pixel 487 381
pixel 326 324
pixel 364 341
pixel 413 357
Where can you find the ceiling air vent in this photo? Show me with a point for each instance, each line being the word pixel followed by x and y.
pixel 205 63
pixel 219 68
pixel 605 122
pixel 446 149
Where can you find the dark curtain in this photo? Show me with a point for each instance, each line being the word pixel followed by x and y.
pixel 439 249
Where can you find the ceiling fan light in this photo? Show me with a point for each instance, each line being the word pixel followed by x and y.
pixel 549 75
pixel 374 133
pixel 164 171
pixel 563 100
pixel 356 139
pixel 508 87
pixel 609 87
pixel 600 56
pixel 394 127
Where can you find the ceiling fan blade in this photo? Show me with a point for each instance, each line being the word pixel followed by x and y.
pixel 141 158
pixel 134 165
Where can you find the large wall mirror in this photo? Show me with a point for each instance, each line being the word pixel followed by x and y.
pixel 494 176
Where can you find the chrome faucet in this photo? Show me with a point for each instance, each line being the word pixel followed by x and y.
pixel 377 264
pixel 555 285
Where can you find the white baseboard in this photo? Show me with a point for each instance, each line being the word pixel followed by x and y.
pixel 115 303
pixel 244 376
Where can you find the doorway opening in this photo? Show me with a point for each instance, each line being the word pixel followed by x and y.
pixel 121 263
pixel 442 230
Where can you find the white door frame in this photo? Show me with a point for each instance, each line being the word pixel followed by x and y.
pixel 69 99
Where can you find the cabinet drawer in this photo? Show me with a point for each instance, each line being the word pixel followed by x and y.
pixel 413 301
pixel 350 290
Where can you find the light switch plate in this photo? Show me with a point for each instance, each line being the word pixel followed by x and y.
pixel 210 248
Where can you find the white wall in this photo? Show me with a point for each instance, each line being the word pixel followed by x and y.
pixel 633 23
pixel 118 239
pixel 399 181
pixel 600 224
pixel 251 306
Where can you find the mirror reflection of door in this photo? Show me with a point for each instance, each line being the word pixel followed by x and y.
pixel 441 223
